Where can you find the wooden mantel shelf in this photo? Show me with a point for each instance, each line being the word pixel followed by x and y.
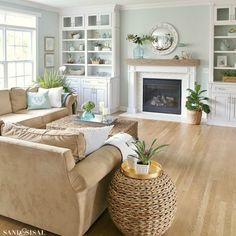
pixel 163 62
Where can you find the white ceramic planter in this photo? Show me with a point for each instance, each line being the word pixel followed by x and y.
pixel 96 48
pixel 132 161
pixel 141 169
pixel 76 36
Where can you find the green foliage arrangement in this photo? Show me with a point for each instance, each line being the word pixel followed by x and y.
pixel 144 154
pixel 139 39
pixel 52 79
pixel 195 100
pixel 88 106
pixel 229 73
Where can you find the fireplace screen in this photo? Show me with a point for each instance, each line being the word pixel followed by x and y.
pixel 162 96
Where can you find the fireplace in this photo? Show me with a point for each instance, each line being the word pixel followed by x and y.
pixel 162 95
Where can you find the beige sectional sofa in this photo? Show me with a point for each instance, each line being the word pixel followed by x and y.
pixel 41 184
pixel 13 108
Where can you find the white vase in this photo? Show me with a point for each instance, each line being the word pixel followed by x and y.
pixel 132 161
pixel 141 169
pixel 97 48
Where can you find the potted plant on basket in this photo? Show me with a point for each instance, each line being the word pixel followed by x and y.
pixel 87 108
pixel 144 155
pixel 229 76
pixel 195 105
pixel 138 51
pixel 97 46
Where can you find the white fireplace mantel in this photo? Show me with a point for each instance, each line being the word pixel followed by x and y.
pixel 184 70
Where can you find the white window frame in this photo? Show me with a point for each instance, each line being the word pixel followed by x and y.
pixel 34 48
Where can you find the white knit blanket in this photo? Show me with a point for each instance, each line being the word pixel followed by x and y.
pixel 124 143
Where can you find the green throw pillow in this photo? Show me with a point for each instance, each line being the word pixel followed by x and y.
pixel 39 100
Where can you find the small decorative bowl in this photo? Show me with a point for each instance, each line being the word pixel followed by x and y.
pixel 76 36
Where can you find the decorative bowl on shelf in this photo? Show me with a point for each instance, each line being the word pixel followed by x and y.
pixel 231 34
pixel 76 71
pixel 75 35
pixel 95 60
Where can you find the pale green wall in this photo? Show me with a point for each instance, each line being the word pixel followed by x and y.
pixel 48 25
pixel 191 23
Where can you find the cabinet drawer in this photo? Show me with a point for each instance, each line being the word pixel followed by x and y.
pixel 224 89
pixel 94 83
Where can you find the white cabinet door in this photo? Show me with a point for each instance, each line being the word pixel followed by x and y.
pixel 87 94
pixel 220 106
pixel 233 13
pixel 72 22
pixel 95 95
pixel 233 108
pixel 225 14
pixel 102 19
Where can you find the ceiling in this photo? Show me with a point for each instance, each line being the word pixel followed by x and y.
pixel 72 3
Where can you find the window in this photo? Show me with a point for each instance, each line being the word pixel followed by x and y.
pixel 17 50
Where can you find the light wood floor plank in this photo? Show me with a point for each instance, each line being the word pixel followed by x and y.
pixel 201 160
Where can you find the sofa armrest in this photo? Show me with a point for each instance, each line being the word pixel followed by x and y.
pixel 1 123
pixel 94 167
pixel 70 100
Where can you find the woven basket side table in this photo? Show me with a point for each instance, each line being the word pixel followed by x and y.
pixel 142 207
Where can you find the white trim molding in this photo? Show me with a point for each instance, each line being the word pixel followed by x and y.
pixel 164 4
pixel 29 4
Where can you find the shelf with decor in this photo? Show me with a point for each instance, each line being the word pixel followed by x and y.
pixel 222 87
pixel 225 37
pixel 224 51
pixel 224 46
pixel 73 51
pixel 90 49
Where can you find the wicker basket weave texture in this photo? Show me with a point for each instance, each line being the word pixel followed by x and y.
pixel 142 207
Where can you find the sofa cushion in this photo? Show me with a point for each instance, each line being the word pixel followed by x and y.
pixel 18 99
pixel 54 95
pixel 5 102
pixel 39 100
pixel 95 136
pixel 24 119
pixel 48 115
pixel 58 138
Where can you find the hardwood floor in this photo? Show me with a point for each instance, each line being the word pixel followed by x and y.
pixel 201 160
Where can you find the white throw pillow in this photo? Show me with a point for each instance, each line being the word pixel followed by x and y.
pixel 95 137
pixel 54 96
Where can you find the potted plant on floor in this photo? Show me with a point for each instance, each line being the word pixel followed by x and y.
pixel 144 155
pixel 87 107
pixel 195 105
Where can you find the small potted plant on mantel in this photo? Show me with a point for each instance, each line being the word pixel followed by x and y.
pixel 195 105
pixel 145 154
pixel 138 51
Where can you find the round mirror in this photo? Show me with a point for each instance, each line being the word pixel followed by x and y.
pixel 165 38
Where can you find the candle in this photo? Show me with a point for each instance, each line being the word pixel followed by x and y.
pixel 105 111
pixel 101 106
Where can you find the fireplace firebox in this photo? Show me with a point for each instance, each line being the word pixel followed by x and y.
pixel 162 95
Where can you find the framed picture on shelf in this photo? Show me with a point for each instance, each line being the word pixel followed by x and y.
pixel 49 44
pixel 49 60
pixel 221 61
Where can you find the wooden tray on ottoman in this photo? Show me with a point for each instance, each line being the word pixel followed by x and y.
pixel 120 125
